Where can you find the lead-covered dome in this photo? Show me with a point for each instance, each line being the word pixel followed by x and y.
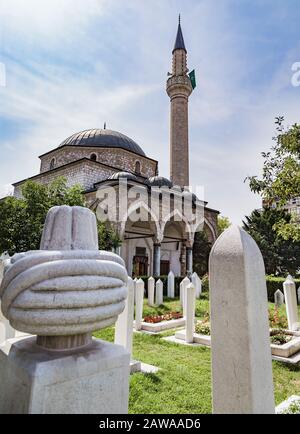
pixel 103 138
pixel 159 181
pixel 123 175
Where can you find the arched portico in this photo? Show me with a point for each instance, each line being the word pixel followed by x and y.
pixel 140 233
pixel 178 242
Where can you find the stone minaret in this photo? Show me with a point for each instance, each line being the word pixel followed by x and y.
pixel 179 89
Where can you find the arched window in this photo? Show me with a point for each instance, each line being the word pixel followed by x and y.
pixel 52 164
pixel 93 157
pixel 137 167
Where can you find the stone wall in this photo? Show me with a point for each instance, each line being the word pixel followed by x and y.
pixel 84 172
pixel 211 224
pixel 116 157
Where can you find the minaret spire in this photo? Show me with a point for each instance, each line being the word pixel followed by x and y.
pixel 179 89
pixel 179 42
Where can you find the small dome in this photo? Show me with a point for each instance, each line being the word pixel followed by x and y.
pixel 159 181
pixel 123 175
pixel 103 138
pixel 188 194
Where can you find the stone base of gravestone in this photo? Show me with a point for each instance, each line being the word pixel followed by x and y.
pixel 135 366
pixel 88 380
pixel 158 327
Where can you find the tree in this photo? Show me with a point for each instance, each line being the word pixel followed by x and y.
pixel 22 220
pixel 280 256
pixel 223 224
pixel 201 250
pixel 281 176
pixel 108 239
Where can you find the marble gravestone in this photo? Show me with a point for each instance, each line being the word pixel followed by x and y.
pixel 6 331
pixel 62 293
pixel 171 285
pixel 290 296
pixel 139 300
pixel 159 297
pixel 151 291
pixel 278 298
pixel 242 380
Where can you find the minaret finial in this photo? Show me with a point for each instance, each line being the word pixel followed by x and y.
pixel 105 125
pixel 179 43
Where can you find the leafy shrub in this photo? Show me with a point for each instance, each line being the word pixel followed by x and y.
pixel 205 283
pixel 274 283
pixel 277 319
pixel 294 408
pixel 280 338
pixel 202 328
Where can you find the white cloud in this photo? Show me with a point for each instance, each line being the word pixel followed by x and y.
pixel 231 122
pixel 47 20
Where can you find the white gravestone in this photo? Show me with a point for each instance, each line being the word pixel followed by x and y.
pixel 139 302
pixel 190 313
pixel 183 285
pixel 151 291
pixel 159 288
pixel 196 281
pixel 62 293
pixel 6 331
pixel 278 298
pixel 242 379
pixel 171 285
pixel 298 291
pixel 290 296
pixel 134 281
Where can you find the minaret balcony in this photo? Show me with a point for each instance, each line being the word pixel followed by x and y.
pixel 179 84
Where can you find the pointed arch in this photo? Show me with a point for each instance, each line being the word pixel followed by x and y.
pixel 134 207
pixel 182 218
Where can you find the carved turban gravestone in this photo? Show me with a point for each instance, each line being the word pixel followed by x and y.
pixel 69 288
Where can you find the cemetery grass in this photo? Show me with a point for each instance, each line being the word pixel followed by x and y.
pixel 183 384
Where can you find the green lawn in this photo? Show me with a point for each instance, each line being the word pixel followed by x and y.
pixel 183 385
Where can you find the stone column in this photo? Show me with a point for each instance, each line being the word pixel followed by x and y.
pixel 139 300
pixel 159 291
pixel 189 261
pixel 278 298
pixel 151 291
pixel 171 285
pixel 242 379
pixel 183 260
pixel 290 296
pixel 156 259
pixel 190 313
pixel 197 284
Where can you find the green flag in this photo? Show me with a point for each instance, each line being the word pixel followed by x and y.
pixel 193 78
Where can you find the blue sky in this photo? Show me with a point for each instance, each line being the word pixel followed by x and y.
pixel 74 64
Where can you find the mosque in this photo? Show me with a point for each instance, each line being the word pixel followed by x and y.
pixel 101 158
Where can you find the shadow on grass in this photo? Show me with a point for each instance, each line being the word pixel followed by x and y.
pixel 288 366
pixel 152 377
